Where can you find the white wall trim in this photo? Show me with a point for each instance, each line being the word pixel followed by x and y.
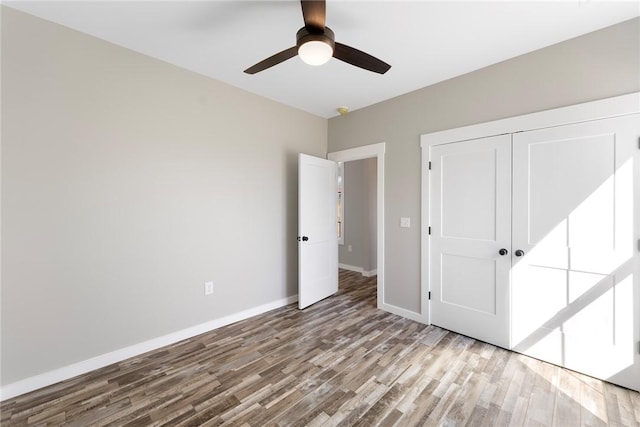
pixel 48 378
pixel 601 109
pixel 357 153
pixel 351 268
pixel 425 222
pixel 367 152
pixel 411 315
pixel 358 270
pixel 370 273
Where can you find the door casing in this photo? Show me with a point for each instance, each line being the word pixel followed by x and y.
pixel 366 152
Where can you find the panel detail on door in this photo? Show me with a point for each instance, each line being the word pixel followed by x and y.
pixel 558 179
pixel 469 282
pixel 470 220
pixel 469 181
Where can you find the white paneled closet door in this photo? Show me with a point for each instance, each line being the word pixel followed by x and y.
pixel 575 285
pixel 470 238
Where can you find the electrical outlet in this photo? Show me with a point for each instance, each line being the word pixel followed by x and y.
pixel 405 222
pixel 208 288
pixel 349 248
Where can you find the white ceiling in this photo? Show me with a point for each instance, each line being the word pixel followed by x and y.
pixel 424 41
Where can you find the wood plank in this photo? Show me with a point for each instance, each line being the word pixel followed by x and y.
pixel 339 362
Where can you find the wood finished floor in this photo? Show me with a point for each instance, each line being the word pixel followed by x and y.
pixel 339 362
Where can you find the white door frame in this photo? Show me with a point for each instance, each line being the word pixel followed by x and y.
pixel 366 152
pixel 609 107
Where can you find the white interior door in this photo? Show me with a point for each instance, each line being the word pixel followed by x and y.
pixel 470 221
pixel 575 292
pixel 317 235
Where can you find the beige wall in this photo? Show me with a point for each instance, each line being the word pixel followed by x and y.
pixel 597 65
pixel 126 184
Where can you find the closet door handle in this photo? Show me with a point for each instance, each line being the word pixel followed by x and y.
pixel 519 252
pixel 503 251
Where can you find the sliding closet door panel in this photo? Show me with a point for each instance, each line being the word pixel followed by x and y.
pixel 470 220
pixel 574 294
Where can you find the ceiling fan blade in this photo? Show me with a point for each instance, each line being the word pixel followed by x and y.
pixel 314 13
pixel 273 60
pixel 359 58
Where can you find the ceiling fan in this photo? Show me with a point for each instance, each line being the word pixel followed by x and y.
pixel 315 44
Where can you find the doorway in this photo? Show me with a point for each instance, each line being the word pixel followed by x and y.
pixel 357 216
pixel 376 153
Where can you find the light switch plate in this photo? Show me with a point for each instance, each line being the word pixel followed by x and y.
pixel 405 222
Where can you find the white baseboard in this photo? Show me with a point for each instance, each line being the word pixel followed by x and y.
pixel 358 270
pixel 350 268
pixel 411 315
pixel 38 381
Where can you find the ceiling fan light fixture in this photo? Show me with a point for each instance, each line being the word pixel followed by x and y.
pixel 315 52
pixel 315 47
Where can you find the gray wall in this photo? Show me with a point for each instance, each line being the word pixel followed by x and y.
pixel 372 210
pixel 359 215
pixel 597 65
pixel 127 183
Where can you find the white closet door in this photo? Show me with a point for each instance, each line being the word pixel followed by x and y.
pixel 470 221
pixel 575 292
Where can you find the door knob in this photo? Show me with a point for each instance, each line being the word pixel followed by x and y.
pixel 503 251
pixel 519 252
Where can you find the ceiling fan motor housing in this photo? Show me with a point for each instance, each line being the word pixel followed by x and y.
pixel 304 35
